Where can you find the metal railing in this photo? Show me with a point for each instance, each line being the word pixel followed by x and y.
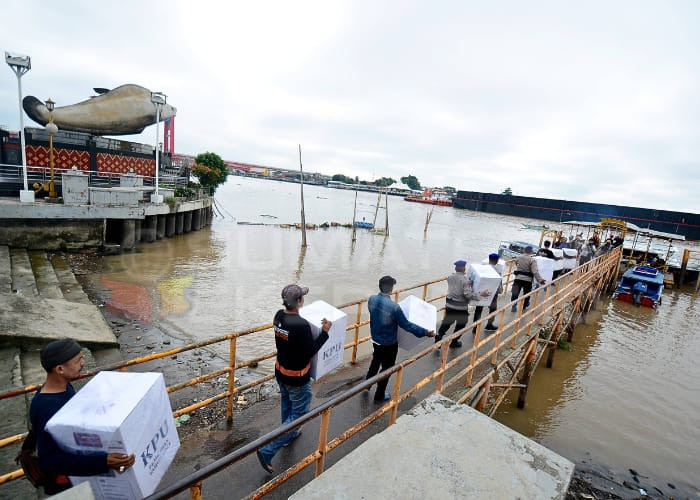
pixel 569 287
pixel 12 174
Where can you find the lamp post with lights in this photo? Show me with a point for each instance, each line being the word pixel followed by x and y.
pixel 51 128
pixel 20 65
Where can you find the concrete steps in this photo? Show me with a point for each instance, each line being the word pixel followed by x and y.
pixel 71 289
pixel 40 300
pixel 23 282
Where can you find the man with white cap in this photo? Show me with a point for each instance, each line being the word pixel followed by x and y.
pixel 63 362
pixel 295 348
pixel 459 293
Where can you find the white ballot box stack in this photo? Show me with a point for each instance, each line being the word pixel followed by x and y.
pixel 559 263
pixel 422 314
pixel 545 266
pixel 570 255
pixel 120 412
pixel 330 355
pixel 484 277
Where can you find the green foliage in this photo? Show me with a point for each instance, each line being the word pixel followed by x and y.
pixel 507 191
pixel 411 181
pixel 343 178
pixel 384 181
pixel 563 344
pixel 450 189
pixel 189 191
pixel 172 202
pixel 210 170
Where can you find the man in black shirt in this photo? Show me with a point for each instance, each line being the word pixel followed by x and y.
pixel 63 362
pixel 295 348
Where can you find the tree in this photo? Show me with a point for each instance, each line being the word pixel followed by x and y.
pixel 507 191
pixel 384 181
pixel 411 181
pixel 343 178
pixel 210 170
pixel 449 189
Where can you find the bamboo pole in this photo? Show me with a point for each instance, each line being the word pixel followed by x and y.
pixel 386 212
pixel 301 187
pixel 376 208
pixel 529 369
pixel 354 218
pixel 358 318
pixel 231 378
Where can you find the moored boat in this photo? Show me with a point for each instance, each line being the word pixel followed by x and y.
pixel 641 285
pixel 511 249
pixel 432 197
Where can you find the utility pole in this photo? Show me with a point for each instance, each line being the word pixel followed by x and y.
pixel 303 217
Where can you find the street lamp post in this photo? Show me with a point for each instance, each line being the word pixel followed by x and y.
pixel 51 128
pixel 20 65
pixel 158 99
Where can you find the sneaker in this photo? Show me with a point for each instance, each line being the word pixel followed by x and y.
pixel 268 467
pixel 288 443
pixel 491 327
pixel 456 343
pixel 386 397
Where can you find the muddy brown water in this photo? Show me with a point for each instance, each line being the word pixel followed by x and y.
pixel 625 395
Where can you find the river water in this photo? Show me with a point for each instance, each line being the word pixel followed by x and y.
pixel 625 395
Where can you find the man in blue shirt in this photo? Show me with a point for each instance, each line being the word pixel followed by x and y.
pixel 385 318
pixel 63 362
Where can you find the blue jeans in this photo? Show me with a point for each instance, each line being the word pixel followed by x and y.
pixel 295 402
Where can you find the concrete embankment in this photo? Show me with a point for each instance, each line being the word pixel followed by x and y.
pixel 54 226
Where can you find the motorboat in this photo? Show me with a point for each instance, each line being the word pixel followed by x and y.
pixel 641 285
pixel 511 249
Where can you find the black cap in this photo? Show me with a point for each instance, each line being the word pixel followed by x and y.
pixel 58 352
pixel 387 281
pixel 292 293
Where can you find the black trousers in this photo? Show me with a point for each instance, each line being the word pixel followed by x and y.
pixel 492 307
pixel 384 356
pixel 459 316
pixel 525 286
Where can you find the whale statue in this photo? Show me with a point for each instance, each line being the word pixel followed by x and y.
pixel 124 110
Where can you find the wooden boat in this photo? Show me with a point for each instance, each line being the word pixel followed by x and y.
pixel 641 285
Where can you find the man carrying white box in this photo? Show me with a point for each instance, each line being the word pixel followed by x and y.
pixel 385 317
pixel 63 362
pixel 295 348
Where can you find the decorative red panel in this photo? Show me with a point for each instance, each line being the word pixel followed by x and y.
pixel 39 156
pixel 111 163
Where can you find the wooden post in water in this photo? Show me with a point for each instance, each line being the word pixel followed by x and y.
pixel 303 217
pixel 376 210
pixel 684 266
pixel 527 373
pixel 354 218
pixel 428 216
pixel 386 212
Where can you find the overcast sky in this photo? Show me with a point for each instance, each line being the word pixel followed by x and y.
pixel 591 101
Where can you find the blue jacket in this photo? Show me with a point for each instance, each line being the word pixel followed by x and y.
pixel 385 318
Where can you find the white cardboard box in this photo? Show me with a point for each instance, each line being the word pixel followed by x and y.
pixel 422 314
pixel 570 255
pixel 120 413
pixel 484 277
pixel 545 266
pixel 330 356
pixel 559 254
pixel 500 266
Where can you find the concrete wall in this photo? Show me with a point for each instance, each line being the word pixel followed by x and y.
pixel 57 234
